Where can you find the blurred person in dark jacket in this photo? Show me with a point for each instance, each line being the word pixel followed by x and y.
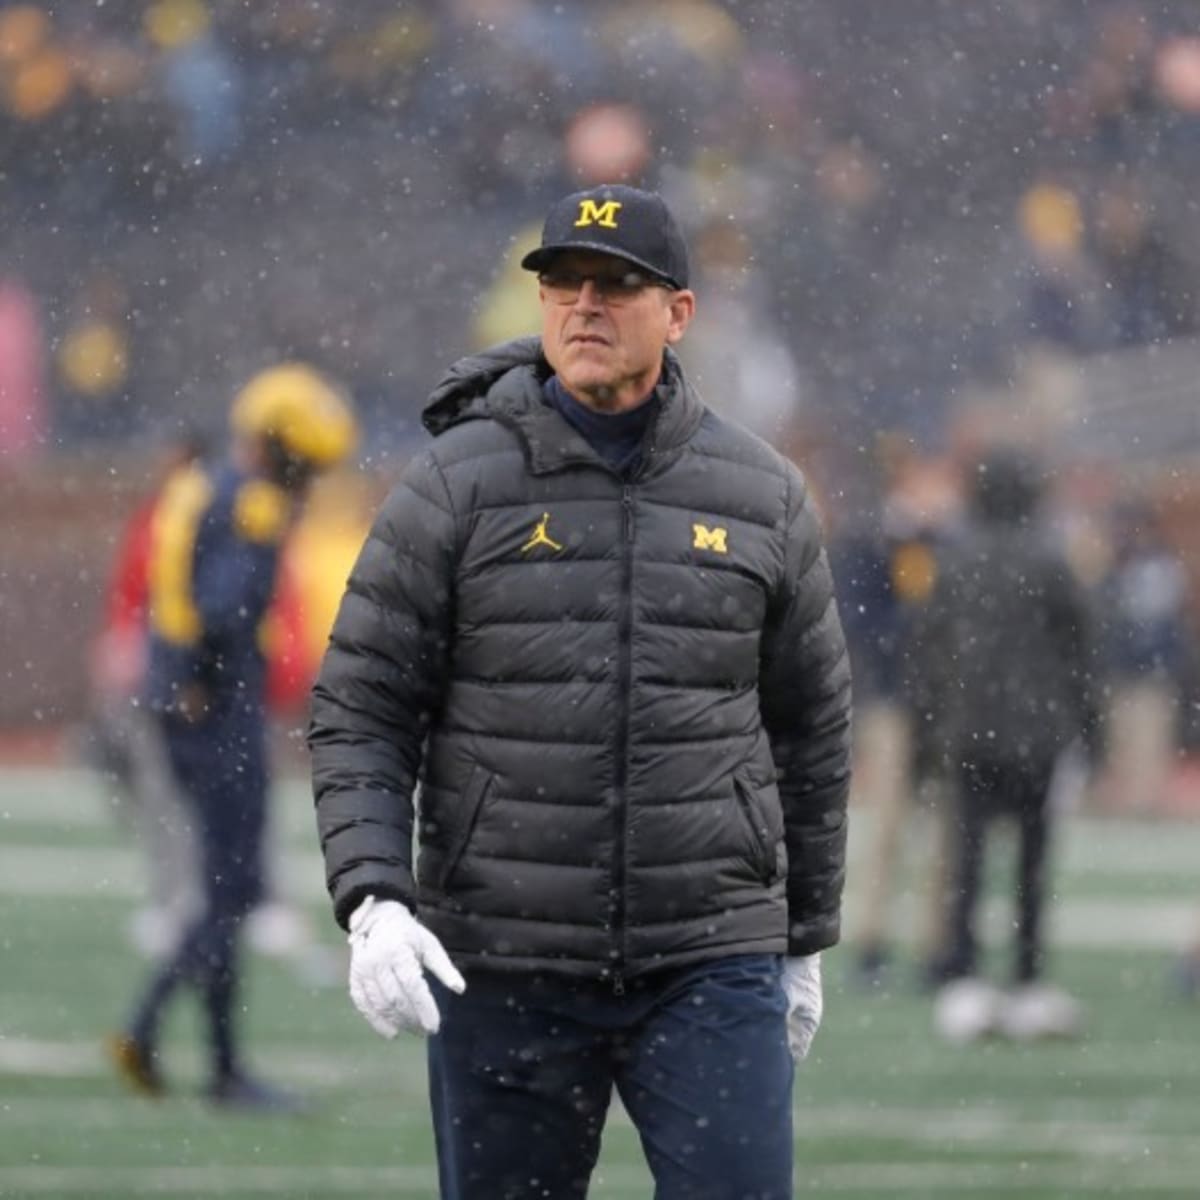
pixel 596 622
pixel 886 572
pixel 1148 284
pixel 213 559
pixel 1147 654
pixel 1005 666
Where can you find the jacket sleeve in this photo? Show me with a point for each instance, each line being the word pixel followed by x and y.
pixel 380 683
pixel 1072 621
pixel 805 701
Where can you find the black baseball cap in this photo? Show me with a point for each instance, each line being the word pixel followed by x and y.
pixel 614 219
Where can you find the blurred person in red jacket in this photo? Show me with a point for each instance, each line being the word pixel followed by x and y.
pixel 215 543
pixel 123 741
pixel 124 744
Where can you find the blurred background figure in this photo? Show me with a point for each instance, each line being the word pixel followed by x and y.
pixel 93 361
pixel 24 421
pixel 123 739
pixel 1142 600
pixel 1187 971
pixel 214 551
pixel 602 143
pixel 1006 667
pixel 886 570
pixel 1149 286
pixel 1060 305
pixel 738 356
pixel 201 80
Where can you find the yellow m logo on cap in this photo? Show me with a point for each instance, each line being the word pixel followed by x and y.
pixel 710 539
pixel 591 213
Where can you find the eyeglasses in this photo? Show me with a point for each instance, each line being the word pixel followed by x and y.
pixel 563 287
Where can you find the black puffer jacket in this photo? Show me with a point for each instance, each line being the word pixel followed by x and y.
pixel 1003 653
pixel 627 701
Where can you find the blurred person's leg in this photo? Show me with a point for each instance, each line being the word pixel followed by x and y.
pixel 935 802
pixel 1141 747
pixel 1029 789
pixel 973 803
pixel 885 749
pixel 163 825
pixel 1033 1008
pixel 967 1007
pixel 278 926
pixel 220 766
pixel 1187 971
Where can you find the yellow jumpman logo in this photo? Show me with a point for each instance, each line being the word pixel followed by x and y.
pixel 540 536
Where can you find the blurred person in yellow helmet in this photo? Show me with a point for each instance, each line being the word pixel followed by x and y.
pixel 214 554
pixel 296 420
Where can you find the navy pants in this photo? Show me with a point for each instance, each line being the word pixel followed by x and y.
pixel 220 767
pixel 523 1069
pixel 990 788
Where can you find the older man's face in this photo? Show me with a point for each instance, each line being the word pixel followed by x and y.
pixel 604 326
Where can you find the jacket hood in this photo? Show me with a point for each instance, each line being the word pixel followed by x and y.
pixel 505 384
pixel 464 390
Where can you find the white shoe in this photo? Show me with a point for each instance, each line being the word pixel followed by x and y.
pixel 277 930
pixel 153 932
pixel 1040 1010
pixel 966 1010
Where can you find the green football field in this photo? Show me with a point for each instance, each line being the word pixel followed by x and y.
pixel 882 1108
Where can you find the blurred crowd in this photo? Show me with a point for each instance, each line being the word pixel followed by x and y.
pixel 884 209
pixel 1021 651
pixel 892 209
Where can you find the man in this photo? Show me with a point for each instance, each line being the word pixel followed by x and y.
pixel 1004 669
pixel 215 543
pixel 596 621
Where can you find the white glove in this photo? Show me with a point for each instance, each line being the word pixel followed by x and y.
pixel 389 952
pixel 806 1003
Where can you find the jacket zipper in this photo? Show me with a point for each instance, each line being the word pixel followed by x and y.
pixel 624 689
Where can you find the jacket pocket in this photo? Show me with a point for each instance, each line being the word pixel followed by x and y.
pixel 470 804
pixel 763 856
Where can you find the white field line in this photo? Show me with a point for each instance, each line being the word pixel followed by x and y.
pixel 100 873
pixel 94 872
pixel 1085 1064
pixel 217 1181
pixel 1083 923
pixel 938 1129
pixel 398 1069
pixel 984 1179
pixel 72 797
pixel 127 1114
pixel 881 1179
pixel 1081 845
pixel 1098 1128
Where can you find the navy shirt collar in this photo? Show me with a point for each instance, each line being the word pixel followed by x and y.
pixel 616 437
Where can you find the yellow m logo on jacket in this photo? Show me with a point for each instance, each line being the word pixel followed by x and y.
pixel 591 213
pixel 710 539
